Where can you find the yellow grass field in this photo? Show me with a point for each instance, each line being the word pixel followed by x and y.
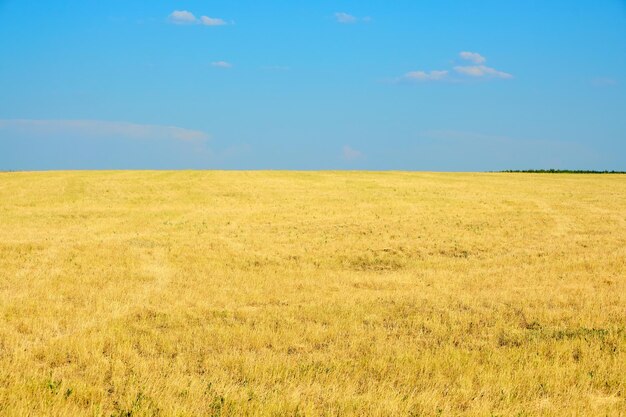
pixel 146 293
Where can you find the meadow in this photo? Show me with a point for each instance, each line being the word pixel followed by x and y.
pixel 189 293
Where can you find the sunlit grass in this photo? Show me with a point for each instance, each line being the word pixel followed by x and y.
pixel 284 293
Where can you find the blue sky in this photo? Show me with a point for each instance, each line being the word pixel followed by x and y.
pixel 401 85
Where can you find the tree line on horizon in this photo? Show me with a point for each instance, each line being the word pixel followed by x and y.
pixel 561 171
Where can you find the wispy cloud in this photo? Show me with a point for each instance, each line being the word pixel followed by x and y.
pixel 479 70
pixel 212 21
pixel 351 154
pixel 425 76
pixel 460 72
pixel 184 17
pixel 482 71
pixel 476 58
pixel 347 18
pixel 100 128
pixel 221 64
pixel 604 82
pixel 470 151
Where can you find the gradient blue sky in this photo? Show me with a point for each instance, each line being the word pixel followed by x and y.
pixel 405 84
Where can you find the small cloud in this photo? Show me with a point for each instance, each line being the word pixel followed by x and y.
pixel 345 18
pixel 182 17
pixel 348 19
pixel 212 21
pixel 425 76
pixel 482 71
pixel 350 154
pixel 604 82
pixel 221 64
pixel 479 70
pixel 476 58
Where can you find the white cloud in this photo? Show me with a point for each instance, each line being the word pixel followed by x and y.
pixel 425 76
pixel 351 154
pixel 482 71
pixel 476 58
pixel 100 128
pixel 221 64
pixel 212 21
pixel 463 72
pixel 182 17
pixel 345 18
pixel 479 70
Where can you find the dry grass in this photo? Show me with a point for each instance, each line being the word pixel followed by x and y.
pixel 283 293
